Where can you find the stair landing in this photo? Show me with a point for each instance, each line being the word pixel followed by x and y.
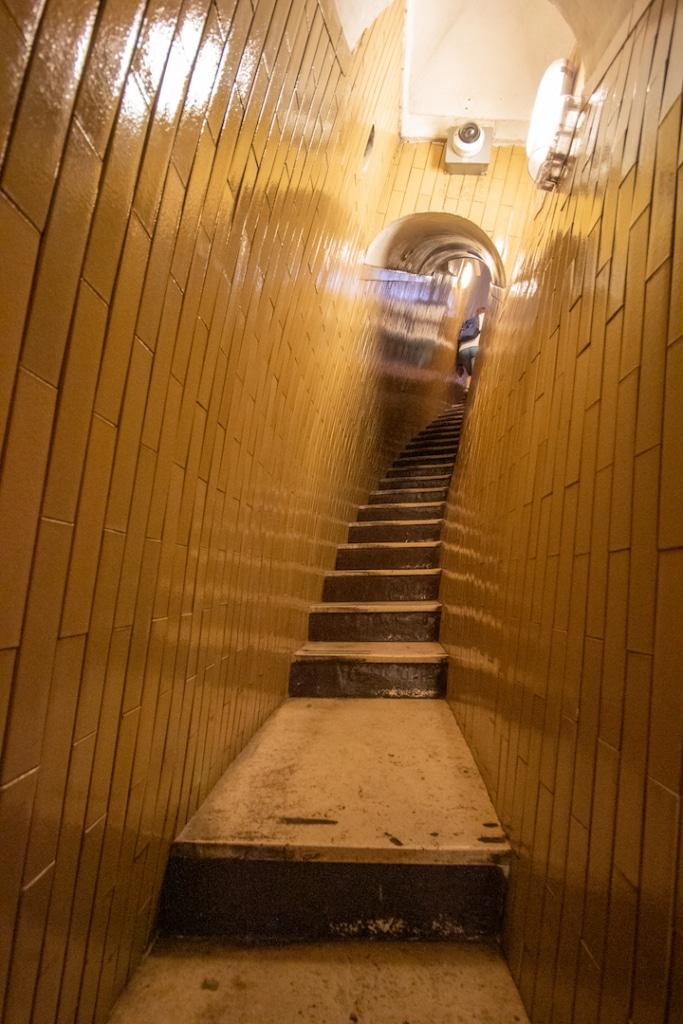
pixel 341 780
pixel 343 818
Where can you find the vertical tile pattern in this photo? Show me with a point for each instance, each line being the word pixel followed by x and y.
pixel 498 201
pixel 563 561
pixel 191 402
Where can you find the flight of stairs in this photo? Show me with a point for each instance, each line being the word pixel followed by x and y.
pixel 349 815
pixel 376 632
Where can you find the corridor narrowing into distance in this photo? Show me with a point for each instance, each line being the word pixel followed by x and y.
pixel 330 823
pixel 239 240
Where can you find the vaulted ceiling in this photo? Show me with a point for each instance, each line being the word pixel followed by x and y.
pixel 484 60
pixel 481 61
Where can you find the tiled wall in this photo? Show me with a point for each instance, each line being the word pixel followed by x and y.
pixel 564 561
pixel 190 404
pixel 497 201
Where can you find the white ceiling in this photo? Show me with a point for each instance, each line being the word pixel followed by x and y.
pixel 481 60
pixel 356 15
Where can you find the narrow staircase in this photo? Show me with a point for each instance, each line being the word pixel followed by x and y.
pixel 349 815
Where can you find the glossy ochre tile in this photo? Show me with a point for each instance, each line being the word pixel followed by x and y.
pixel 194 397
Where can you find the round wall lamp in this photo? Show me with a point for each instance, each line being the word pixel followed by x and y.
pixel 553 125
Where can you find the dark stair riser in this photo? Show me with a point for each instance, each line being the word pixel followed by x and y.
pixel 365 533
pixel 394 587
pixel 388 483
pixel 447 452
pixel 436 436
pixel 381 512
pixel 346 677
pixel 419 471
pixel 400 557
pixel 286 901
pixel 410 461
pixel 423 444
pixel 452 431
pixel 371 627
pixel 414 495
pixel 441 428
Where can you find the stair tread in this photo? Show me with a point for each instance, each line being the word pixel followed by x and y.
pixel 422 469
pixel 428 503
pixel 388 650
pixel 407 463
pixel 379 607
pixel 346 780
pixel 396 522
pixel 392 543
pixel 405 490
pixel 381 572
pixel 432 460
pixel 414 480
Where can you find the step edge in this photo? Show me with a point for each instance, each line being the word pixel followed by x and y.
pixel 395 522
pixel 206 849
pixel 384 544
pixel 400 504
pixel 336 573
pixel 309 653
pixel 375 607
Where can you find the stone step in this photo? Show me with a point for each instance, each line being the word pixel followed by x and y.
pixel 411 461
pixel 449 424
pixel 452 441
pixel 434 442
pixel 419 472
pixel 415 482
pixel 400 510
pixel 452 423
pixel 423 472
pixel 416 555
pixel 376 622
pixel 395 532
pixel 429 451
pixel 332 823
pixel 437 436
pixel 367 669
pixel 382 585
pixel 439 432
pixel 426 448
pixel 407 495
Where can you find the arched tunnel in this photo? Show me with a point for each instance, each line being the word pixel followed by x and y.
pixel 341 513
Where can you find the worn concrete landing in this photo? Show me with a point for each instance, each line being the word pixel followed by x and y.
pixel 350 780
pixel 352 983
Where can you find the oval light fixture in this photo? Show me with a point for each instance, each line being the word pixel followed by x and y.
pixel 553 124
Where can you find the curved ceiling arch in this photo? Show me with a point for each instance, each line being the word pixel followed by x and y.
pixel 485 60
pixel 593 24
pixel 424 243
pixel 478 61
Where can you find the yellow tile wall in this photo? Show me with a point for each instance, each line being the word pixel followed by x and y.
pixel 497 201
pixel 190 405
pixel 563 581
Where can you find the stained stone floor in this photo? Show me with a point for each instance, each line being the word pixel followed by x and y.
pixel 201 982
pixel 352 780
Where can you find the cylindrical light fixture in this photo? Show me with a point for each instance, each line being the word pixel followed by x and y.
pixel 552 126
